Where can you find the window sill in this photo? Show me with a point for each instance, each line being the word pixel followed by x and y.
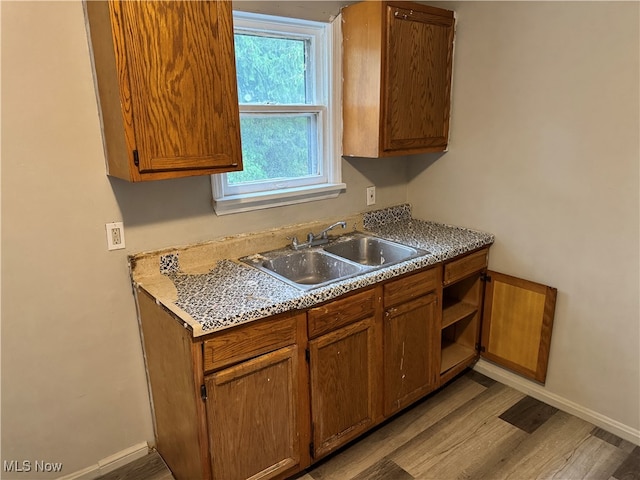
pixel 276 198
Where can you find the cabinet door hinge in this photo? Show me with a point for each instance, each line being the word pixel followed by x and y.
pixel 307 355
pixel 203 392
pixel 480 348
pixel 136 158
pixel 485 277
pixel 311 450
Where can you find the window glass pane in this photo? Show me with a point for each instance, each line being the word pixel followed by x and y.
pixel 277 147
pixel 270 70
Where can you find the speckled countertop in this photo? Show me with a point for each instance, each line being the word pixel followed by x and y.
pixel 230 293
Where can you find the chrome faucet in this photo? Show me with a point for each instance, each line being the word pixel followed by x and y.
pixel 314 240
pixel 323 234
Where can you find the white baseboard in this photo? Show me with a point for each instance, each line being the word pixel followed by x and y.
pixel 110 463
pixel 540 393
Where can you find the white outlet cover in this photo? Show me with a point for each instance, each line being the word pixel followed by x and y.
pixel 371 195
pixel 115 235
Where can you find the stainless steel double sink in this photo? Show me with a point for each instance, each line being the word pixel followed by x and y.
pixel 344 257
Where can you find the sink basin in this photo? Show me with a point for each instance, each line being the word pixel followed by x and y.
pixel 306 269
pixel 373 251
pixel 347 256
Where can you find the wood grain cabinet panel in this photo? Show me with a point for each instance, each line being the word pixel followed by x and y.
pixel 412 286
pixel 397 64
pixel 411 351
pixel 249 340
pixel 517 324
pixel 166 80
pixel 341 312
pixel 465 266
pixel 343 366
pixel 504 319
pixel 252 417
pixel 171 358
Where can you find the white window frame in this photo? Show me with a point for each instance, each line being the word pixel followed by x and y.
pixel 326 42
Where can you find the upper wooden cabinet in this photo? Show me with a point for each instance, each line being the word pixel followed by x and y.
pixel 166 80
pixel 397 62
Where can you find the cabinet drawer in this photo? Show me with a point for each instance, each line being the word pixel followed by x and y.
pixel 341 312
pixel 465 266
pixel 404 289
pixel 250 341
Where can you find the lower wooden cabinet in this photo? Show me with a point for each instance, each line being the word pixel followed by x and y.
pixel 343 366
pixel 252 417
pixel 266 399
pixel 232 405
pixel 504 319
pixel 461 319
pixel 411 339
pixel 410 352
pixel 344 371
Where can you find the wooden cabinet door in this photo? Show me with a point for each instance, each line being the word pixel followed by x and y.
pixel 411 350
pixel 417 91
pixel 252 420
pixel 183 84
pixel 516 324
pixel 342 374
pixel 166 80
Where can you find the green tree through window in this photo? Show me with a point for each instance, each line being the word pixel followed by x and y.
pixel 286 84
pixel 274 147
pixel 270 70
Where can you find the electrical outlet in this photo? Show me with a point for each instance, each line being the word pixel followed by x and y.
pixel 115 235
pixel 371 195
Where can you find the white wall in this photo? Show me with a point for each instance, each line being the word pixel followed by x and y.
pixel 73 381
pixel 545 154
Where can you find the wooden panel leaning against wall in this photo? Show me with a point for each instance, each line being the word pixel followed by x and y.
pixel 167 96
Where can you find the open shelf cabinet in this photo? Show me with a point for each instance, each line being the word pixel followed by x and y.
pixel 461 316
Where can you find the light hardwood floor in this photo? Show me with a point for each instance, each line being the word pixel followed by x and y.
pixel 475 428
